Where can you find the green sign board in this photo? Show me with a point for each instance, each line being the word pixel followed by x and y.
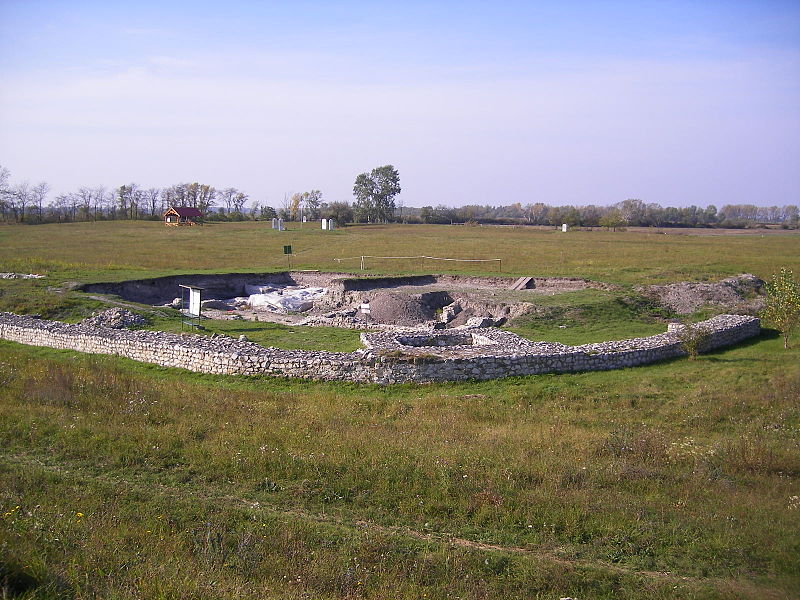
pixel 287 249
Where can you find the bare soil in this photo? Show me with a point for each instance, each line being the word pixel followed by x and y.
pixel 393 301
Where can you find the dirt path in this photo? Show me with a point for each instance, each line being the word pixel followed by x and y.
pixel 82 473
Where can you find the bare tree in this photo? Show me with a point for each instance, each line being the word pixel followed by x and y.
pixel 38 196
pixel 227 196
pixel 239 201
pixel 85 196
pixel 176 195
pixel 5 192
pixel 59 208
pixel 286 206
pixel 100 201
pixel 152 196
pixel 20 198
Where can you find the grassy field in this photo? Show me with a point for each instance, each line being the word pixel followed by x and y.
pixel 122 249
pixel 124 480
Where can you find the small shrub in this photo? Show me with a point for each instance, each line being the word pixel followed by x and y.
pixel 783 304
pixel 693 339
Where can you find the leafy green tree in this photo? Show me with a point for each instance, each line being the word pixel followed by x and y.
pixel 341 212
pixel 632 211
pixel 426 214
pixel 783 303
pixel 612 219
pixel 267 213
pixel 311 203
pixel 375 192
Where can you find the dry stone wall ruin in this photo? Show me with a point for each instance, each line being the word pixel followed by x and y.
pixel 388 357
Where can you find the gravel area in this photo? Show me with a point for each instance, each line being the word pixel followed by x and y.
pixel 743 293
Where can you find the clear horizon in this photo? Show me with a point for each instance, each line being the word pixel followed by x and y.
pixel 579 103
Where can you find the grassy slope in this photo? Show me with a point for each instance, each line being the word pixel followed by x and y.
pixel 674 480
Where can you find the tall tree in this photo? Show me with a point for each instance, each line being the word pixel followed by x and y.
pixel 612 219
pixel 375 192
pixel 20 199
pixel 632 211
pixel 294 206
pixel 238 201
pixel 311 203
pixel 85 195
pixel 226 196
pixel 206 196
pixel 127 198
pixel 5 192
pixel 152 197
pixel 100 199
pixel 38 196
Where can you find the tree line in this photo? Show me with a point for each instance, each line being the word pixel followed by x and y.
pixel 26 203
pixel 374 195
pixel 630 212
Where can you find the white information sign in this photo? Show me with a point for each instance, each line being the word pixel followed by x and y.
pixel 194 302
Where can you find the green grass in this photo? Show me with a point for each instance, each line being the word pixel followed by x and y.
pixel 588 316
pixel 294 337
pixel 617 257
pixel 623 473
pixel 672 480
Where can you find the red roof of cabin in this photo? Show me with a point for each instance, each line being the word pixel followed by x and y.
pixel 186 211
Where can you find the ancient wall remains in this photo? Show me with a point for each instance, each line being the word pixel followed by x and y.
pixel 388 357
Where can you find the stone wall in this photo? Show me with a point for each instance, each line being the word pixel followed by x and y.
pixel 483 353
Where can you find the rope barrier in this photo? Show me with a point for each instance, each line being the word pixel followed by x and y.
pixel 428 257
pixel 361 258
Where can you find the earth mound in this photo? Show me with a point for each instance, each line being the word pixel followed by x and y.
pixel 742 293
pixel 400 309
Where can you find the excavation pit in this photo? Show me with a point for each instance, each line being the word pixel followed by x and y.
pixel 339 299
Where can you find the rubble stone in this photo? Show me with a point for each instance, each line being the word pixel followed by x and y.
pixel 115 318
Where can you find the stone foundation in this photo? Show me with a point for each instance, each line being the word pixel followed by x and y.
pixel 389 357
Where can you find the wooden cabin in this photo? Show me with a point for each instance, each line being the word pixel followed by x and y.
pixel 182 215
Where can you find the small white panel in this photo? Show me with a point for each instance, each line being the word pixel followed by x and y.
pixel 194 302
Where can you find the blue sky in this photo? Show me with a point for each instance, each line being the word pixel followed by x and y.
pixel 474 102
